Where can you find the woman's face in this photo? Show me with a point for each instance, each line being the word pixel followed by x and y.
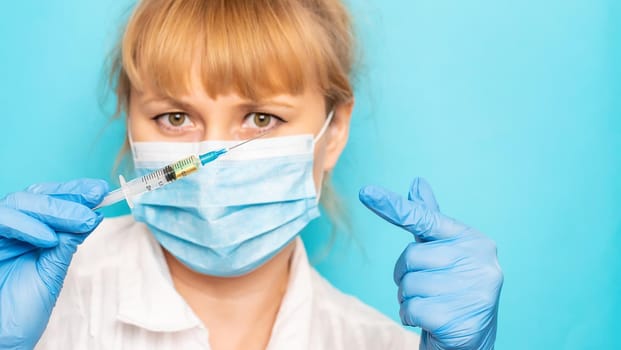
pixel 198 117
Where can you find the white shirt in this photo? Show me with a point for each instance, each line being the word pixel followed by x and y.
pixel 118 294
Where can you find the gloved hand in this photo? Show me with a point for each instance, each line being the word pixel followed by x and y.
pixel 449 278
pixel 40 229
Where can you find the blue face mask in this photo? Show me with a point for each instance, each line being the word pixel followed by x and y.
pixel 235 213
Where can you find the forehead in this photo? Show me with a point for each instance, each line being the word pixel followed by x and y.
pixel 222 48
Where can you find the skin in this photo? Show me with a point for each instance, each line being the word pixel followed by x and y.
pixel 239 312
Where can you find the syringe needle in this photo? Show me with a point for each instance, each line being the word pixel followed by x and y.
pixel 250 139
pixel 213 155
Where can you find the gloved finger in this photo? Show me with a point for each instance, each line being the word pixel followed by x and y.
pixel 425 224
pixel 16 225
pixel 426 284
pixel 421 190
pixel 11 248
pixel 436 255
pixel 53 263
pixel 89 192
pixel 411 309
pixel 425 256
pixel 58 214
pixel 430 313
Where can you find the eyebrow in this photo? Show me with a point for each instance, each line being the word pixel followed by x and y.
pixel 243 103
pixel 263 103
pixel 167 100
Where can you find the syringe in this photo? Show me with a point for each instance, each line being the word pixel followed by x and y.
pixel 164 176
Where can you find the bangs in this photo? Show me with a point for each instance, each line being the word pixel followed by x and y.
pixel 254 48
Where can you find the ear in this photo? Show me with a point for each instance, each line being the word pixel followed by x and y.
pixel 337 134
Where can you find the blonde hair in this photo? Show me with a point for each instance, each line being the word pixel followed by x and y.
pixel 254 48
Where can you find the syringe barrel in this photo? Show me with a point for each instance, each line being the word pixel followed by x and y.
pixel 186 166
pixel 170 173
pixel 151 181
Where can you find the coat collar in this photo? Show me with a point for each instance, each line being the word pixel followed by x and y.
pixel 148 299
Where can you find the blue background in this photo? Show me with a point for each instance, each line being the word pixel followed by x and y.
pixel 511 109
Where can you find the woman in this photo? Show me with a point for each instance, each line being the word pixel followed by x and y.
pixel 212 261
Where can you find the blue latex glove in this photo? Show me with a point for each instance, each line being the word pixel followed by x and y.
pixel 449 279
pixel 40 229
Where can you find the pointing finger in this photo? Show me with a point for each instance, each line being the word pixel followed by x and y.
pixel 421 190
pixel 424 223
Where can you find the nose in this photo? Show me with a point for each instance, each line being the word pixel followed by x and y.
pixel 218 131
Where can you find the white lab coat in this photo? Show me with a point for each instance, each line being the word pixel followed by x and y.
pixel 118 295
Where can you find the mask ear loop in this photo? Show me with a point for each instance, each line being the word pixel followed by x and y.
pixel 122 181
pixel 325 126
pixel 130 139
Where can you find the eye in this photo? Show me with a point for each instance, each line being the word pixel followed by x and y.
pixel 261 121
pixel 174 120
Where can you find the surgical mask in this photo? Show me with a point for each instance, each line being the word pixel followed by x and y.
pixel 235 213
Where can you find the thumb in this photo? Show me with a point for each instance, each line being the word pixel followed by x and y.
pixel 421 190
pixel 425 224
pixel 54 262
